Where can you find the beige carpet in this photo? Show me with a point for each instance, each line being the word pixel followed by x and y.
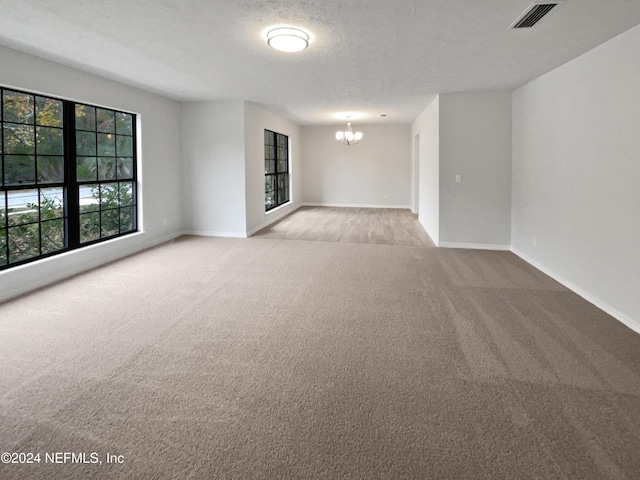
pixel 259 358
pixel 382 226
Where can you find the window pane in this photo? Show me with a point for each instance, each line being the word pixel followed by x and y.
pixel 270 138
pixel 127 219
pixel 110 222
pixel 18 107
pixel 19 169
pixel 86 143
pixel 50 169
pixel 86 169
pixel 85 118
pixel 269 200
pixel 49 141
pixel 126 193
pixel 19 138
pixel 270 166
pixel 48 112
pixel 125 146
pixel 269 152
pixel 107 168
pixel 125 168
pixel 105 120
pixel 124 123
pixel 109 196
pixel 24 242
pixel 51 203
pixel 3 247
pixel 89 227
pixel 3 212
pixel 22 206
pixel 283 165
pixel 89 195
pixel 269 183
pixel 106 144
pixel 52 233
pixel 269 194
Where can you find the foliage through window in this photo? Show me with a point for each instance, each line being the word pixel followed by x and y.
pixel 276 170
pixel 67 176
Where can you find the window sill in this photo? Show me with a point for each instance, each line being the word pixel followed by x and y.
pixel 279 207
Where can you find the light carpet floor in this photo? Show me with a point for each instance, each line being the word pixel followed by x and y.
pixel 211 358
pixel 382 226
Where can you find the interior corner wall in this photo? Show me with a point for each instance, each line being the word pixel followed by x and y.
pixel 214 168
pixel 256 120
pixel 159 162
pixel 427 126
pixel 576 175
pixel 475 148
pixel 373 173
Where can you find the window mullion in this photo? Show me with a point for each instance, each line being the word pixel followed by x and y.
pixel 276 195
pixel 72 191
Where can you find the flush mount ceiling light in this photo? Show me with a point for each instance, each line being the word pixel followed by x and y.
pixel 348 137
pixel 287 39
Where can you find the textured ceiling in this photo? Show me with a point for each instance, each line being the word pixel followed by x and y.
pixel 370 56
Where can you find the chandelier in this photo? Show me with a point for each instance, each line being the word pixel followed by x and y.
pixel 348 137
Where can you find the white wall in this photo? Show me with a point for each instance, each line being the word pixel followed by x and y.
pixel 256 120
pixel 576 175
pixel 223 148
pixel 475 143
pixel 427 125
pixel 160 166
pixel 214 169
pixel 374 173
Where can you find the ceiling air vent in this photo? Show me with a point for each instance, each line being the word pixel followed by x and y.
pixel 533 15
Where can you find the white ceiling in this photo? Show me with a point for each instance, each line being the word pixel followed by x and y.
pixel 370 56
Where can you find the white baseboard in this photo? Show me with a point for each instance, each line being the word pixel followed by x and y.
pixel 272 217
pixel 621 317
pixel 214 233
pixel 353 205
pixel 475 246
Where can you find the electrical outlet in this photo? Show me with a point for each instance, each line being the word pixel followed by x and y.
pixel 534 242
pixel 164 222
pixel 458 178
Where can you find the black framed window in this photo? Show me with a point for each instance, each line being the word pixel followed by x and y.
pixel 104 172
pixel 276 170
pixel 67 175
